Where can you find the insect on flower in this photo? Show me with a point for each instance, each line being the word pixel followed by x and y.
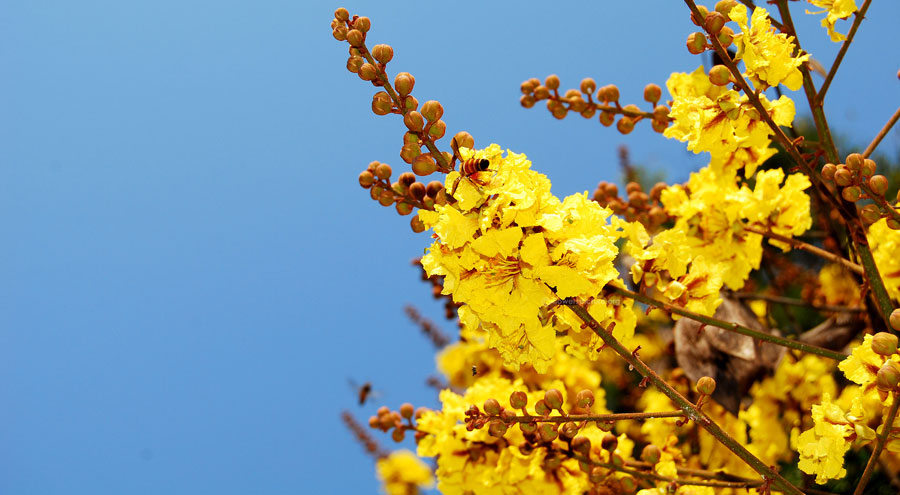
pixel 474 371
pixel 470 169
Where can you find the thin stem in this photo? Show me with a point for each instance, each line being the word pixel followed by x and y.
pixel 797 302
pixel 882 133
pixel 603 418
pixel 730 326
pixel 860 14
pixel 667 479
pixel 879 444
pixel 808 248
pixel 685 405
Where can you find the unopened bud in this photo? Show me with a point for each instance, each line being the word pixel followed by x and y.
pixel 715 21
pixel 423 165
pixel 518 399
pixel 554 398
pixel 547 432
pixel 851 194
pixel 652 93
pixel 842 176
pixel 432 110
pixel 828 171
pixel 414 121
pixel 409 152
pixel 528 428
pixel 398 434
pixel 650 454
pixel 383 171
pixel 381 107
pixel 888 376
pixel 527 101
pixel 417 191
pixel 410 103
pixel 720 75
pixel 552 82
pixel 404 83
pixel 433 188
pixel 383 53
pixel 870 214
pixel 893 224
pixel 415 223
pixel 437 130
pixel 386 198
pixel 609 442
pixel 878 184
pixel 854 161
pixel 696 43
pixel 868 167
pixel 341 14
pixel 588 86
pixel 356 38
pixel 363 24
pixel 706 385
pixel 367 72
pixel 582 445
pixel 884 343
pixel 496 428
pixel 607 118
pixel 404 208
pixel 703 13
pixel 895 319
pixel 542 408
pixel 584 398
pixel 366 179
pixel 407 410
pixel 492 407
pixel 725 6
pixel 625 125
pixel 610 92
pixel 568 430
pixel 725 36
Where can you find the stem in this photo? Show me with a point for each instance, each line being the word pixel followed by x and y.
pixel 797 302
pixel 879 444
pixel 685 405
pixel 658 477
pixel 808 248
pixel 857 20
pixel 730 326
pixel 604 418
pixel 882 133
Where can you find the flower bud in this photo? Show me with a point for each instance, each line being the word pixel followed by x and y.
pixel 609 442
pixel 725 6
pixel 584 398
pixel 410 103
pixel 354 63
pixel 706 385
pixel 433 188
pixel 696 43
pixel 568 430
pixel 895 319
pixel 597 475
pixel 367 72
pixel 417 191
pixel 588 112
pixel 870 214
pixel 588 86
pixel 541 408
pixel 527 101
pixel 432 110
pixel 854 161
pixel 868 167
pixel 383 171
pixel 650 454
pixel 582 445
pixel 340 33
pixel 725 36
pixel 893 224
pixel 497 428
pixel 381 107
pixel 383 53
pixel 341 14
pixel 607 118
pixel 404 83
pixel 437 130
pixel 842 176
pixel 884 343
pixel 366 179
pixel 703 13
pixel 406 178
pixel 720 75
pixel 363 24
pixel 386 198
pixel 715 21
pixel 404 208
pixel 828 171
pixel 492 407
pixel 518 399
pixel 625 125
pixel 552 82
pixel 527 87
pixel 878 184
pixel 407 410
pixel 851 194
pixel 415 223
pixel 414 121
pixel 398 434
pixel 356 38
pixel 652 93
pixel 554 398
pixel 888 376
pixel 409 152
pixel 375 192
pixel 629 485
pixel 423 165
pixel 547 432
pixel 610 92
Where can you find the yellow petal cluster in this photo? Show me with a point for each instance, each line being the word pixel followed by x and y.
pixel 822 448
pixel 768 56
pixel 885 244
pixel 509 248
pixel 836 10
pixel 403 473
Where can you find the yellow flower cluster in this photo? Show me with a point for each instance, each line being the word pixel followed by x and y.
pixel 838 425
pixel 708 246
pixel 510 249
pixel 403 473
pixel 768 56
pixel 885 244
pixel 837 10
pixel 723 122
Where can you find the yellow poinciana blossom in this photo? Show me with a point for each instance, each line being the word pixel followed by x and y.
pixel 509 249
pixel 768 56
pixel 837 10
pixel 885 244
pixel 403 473
pixel 822 447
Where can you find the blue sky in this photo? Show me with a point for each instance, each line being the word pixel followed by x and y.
pixel 191 272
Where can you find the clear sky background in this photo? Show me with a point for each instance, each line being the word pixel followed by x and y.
pixel 189 271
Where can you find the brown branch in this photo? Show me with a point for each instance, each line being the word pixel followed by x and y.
pixel 880 440
pixel 808 248
pixel 860 14
pixel 882 133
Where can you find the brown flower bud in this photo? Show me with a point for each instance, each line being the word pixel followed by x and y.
pixel 492 407
pixel 706 385
pixel 696 43
pixel 725 6
pixel 884 343
pixel 375 192
pixel 607 118
pixel 584 398
pixel 703 13
pixel 541 408
pixel 383 171
pixel 354 63
pixel 340 33
pixel 433 188
pixel 568 430
pixel 597 474
pixel 888 376
pixel 720 75
pixel 398 434
pixel 410 103
pixel 609 442
pixel 341 14
pixel 528 428
pixel 652 93
pixel 625 125
pixel 868 167
pixel 854 161
pixel 415 223
pixel 404 208
pixel 367 72
pixel 406 178
pixel 414 121
pixel 409 152
pixel 650 454
pixel 527 87
pixel 366 179
pixel 527 101
pixel 851 194
pixel 895 319
pixel 374 422
pixel 893 224
pixel 870 214
pixel 437 130
pixel 404 83
pixel 588 112
pixel 554 398
pixel 878 184
pixel 462 139
pixel 381 107
pixel 547 432
pixel 582 445
pixel 423 165
pixel 828 171
pixel 386 198
pixel 497 428
pixel 552 82
pixel 725 36
pixel 363 24
pixel 518 400
pixel 842 176
pixel 715 21
pixel 557 109
pixel 356 38
pixel 432 110
pixel 588 86
pixel 383 53
pixel 417 191
pixel 610 92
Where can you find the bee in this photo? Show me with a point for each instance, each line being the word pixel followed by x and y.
pixel 469 170
pixel 474 371
pixel 363 392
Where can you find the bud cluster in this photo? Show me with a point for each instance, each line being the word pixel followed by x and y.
pixel 404 193
pixel 387 420
pixel 887 378
pixel 639 206
pixel 498 418
pixel 856 180
pixel 713 23
pixel 583 101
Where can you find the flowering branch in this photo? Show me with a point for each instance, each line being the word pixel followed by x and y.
pixel 886 428
pixel 808 248
pixel 677 481
pixel 840 56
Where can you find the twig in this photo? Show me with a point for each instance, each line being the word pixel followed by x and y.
pixel 667 479
pixel 603 418
pixel 797 302
pixel 880 440
pixel 860 14
pixel 882 133
pixel 808 248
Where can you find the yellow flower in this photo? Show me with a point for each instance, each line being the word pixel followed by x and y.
pixel 885 244
pixel 768 56
pixel 403 473
pixel 822 447
pixel 837 10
